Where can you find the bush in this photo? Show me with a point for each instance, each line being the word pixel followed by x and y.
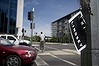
pixel 64 39
pixel 36 38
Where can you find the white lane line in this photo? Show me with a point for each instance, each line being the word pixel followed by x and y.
pixel 40 62
pixel 64 60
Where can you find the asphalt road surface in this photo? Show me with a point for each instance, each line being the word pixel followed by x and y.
pixel 57 55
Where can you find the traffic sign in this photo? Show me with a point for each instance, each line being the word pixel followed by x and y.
pixel 78 31
pixel 32 26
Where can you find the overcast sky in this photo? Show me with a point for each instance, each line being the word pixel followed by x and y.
pixel 47 11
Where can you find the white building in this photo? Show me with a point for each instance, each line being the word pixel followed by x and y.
pixel 19 22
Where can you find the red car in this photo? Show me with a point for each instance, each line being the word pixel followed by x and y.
pixel 16 55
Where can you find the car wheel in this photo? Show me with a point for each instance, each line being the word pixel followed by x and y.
pixel 13 60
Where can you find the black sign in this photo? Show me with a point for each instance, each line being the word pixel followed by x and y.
pixel 32 26
pixel 78 26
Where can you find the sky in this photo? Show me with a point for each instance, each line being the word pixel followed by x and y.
pixel 46 12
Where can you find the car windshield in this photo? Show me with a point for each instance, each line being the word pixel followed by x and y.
pixel 5 42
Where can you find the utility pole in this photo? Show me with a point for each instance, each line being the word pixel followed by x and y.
pixel 86 58
pixel 90 56
pixel 94 5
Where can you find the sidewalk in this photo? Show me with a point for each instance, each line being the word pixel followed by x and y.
pixel 53 43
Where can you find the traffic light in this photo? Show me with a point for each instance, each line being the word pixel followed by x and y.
pixel 30 15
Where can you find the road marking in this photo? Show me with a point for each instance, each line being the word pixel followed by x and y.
pixel 64 60
pixel 52 48
pixel 67 51
pixel 44 53
pixel 40 62
pixel 59 52
pixel 51 54
pixel 70 51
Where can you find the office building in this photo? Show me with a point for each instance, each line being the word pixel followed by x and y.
pixel 11 16
pixel 60 27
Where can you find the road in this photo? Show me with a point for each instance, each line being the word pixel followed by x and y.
pixel 57 55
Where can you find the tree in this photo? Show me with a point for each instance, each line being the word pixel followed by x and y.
pixel 36 38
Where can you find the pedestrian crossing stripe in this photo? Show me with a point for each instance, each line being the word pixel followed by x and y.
pixel 40 62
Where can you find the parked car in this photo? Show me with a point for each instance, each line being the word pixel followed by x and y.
pixel 25 42
pixel 14 40
pixel 16 55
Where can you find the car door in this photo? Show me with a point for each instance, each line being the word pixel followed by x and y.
pixel 2 51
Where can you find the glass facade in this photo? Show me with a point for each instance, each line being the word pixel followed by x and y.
pixel 8 12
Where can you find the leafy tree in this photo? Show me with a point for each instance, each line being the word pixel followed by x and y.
pixel 64 39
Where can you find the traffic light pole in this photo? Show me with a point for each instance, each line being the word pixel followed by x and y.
pixel 31 18
pixel 32 27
